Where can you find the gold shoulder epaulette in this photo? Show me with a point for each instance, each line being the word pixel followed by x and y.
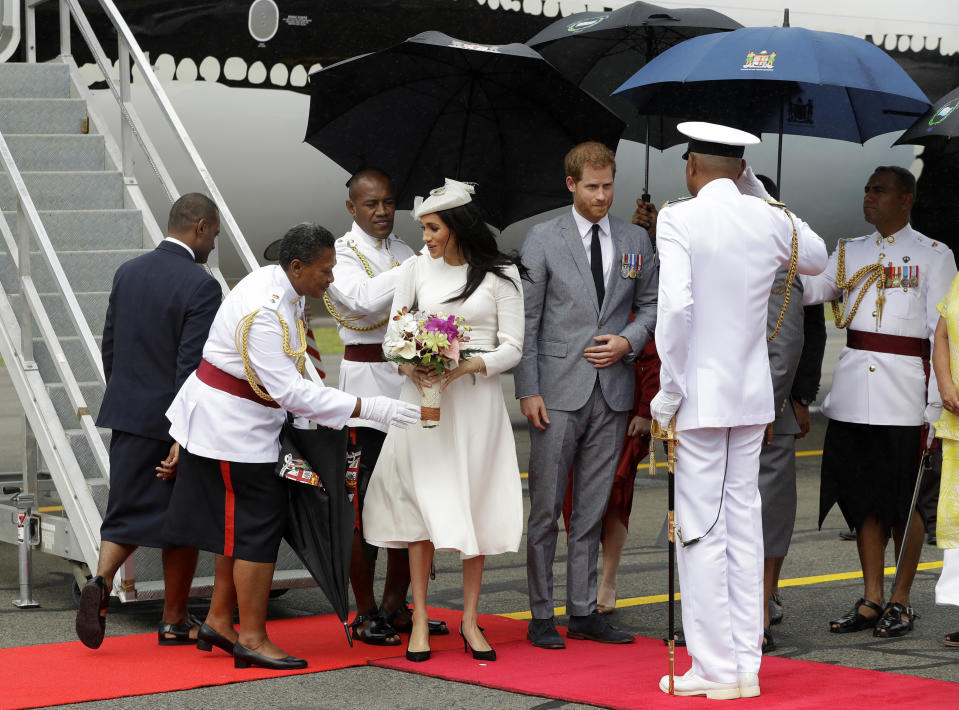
pixel 672 202
pixel 776 203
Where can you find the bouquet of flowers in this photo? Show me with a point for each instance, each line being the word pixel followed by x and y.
pixel 431 339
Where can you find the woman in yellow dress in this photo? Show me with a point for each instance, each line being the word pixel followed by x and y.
pixel 945 361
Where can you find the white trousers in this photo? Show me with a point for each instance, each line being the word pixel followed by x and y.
pixel 947 588
pixel 721 575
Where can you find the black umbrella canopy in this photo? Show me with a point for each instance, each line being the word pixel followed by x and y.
pixel 435 107
pixel 600 50
pixel 938 126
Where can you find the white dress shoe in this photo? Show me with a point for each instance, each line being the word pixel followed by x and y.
pixel 692 684
pixel 748 685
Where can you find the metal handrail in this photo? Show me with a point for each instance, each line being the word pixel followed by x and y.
pixel 29 224
pixel 131 126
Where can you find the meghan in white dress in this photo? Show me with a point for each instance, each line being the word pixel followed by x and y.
pixel 456 486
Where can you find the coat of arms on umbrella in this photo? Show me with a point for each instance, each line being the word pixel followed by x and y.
pixel 761 61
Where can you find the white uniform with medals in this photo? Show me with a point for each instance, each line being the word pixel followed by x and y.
pixel 217 425
pixel 363 301
pixel 871 387
pixel 719 253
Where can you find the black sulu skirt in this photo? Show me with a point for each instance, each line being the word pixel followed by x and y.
pixel 232 509
pixel 869 467
pixel 138 502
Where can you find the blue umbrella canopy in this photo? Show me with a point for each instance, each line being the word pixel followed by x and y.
pixel 780 79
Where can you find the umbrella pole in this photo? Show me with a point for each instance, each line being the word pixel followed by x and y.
pixel 779 160
pixel 646 180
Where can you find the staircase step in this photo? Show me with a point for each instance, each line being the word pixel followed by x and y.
pixel 92 395
pixel 93 305
pixel 54 152
pixel 87 271
pixel 24 80
pixel 79 230
pixel 41 115
pixel 81 190
pixel 80 364
pixel 84 454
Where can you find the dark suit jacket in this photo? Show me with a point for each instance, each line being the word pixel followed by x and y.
pixel 161 307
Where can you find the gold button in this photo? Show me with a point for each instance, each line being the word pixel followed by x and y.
pixel 872 368
pixel 873 314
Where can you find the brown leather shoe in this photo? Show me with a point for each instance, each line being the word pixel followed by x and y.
pixel 91 620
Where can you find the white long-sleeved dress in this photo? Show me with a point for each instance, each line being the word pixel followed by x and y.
pixel 457 484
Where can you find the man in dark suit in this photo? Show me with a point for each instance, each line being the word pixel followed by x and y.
pixel 161 308
pixel 588 272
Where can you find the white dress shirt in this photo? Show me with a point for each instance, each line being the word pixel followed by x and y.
pixel 174 240
pixel 366 301
pixel 218 425
pixel 883 388
pixel 585 228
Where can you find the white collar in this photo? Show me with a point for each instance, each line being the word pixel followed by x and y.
pixel 177 241
pixel 895 236
pixel 360 235
pixel 583 225
pixel 282 281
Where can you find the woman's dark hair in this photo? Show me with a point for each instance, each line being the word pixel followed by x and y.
pixel 306 242
pixel 478 245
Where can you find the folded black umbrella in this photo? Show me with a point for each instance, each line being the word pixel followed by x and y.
pixel 321 516
pixel 435 107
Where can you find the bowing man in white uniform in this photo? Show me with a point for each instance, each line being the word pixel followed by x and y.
pixel 227 419
pixel 719 252
pixel 359 300
pixel 882 390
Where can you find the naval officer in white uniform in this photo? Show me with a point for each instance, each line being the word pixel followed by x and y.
pixel 882 389
pixel 359 300
pixel 719 252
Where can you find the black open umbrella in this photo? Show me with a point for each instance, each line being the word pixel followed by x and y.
pixel 600 50
pixel 321 517
pixel 936 127
pixel 435 107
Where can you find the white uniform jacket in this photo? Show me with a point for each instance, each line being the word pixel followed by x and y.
pixel 718 255
pixel 218 425
pixel 883 388
pixel 366 301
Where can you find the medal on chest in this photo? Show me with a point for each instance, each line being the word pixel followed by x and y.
pixel 631 265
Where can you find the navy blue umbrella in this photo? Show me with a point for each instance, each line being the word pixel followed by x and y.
pixel 780 79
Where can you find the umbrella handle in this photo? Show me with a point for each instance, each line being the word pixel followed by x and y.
pixel 349 637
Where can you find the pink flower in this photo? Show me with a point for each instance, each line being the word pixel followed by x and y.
pixel 453 353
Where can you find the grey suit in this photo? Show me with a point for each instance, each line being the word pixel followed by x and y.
pixel 586 406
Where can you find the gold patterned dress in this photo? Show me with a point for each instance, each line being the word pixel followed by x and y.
pixel 947 429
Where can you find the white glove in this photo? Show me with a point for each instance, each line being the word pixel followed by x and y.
pixel 391 412
pixel 749 184
pixel 664 406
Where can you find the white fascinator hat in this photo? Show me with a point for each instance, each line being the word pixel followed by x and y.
pixel 453 194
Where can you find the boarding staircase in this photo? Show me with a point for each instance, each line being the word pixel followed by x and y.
pixel 72 212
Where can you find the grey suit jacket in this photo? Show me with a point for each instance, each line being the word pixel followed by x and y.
pixel 563 315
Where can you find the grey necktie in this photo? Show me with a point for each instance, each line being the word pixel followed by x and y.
pixel 596 265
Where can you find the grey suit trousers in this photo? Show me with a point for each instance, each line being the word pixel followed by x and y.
pixel 588 440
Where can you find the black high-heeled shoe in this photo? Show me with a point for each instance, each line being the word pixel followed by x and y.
pixel 244 658
pixel 207 637
pixel 417 656
pixel 478 655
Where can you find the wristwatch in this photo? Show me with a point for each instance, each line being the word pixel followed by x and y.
pixel 804 401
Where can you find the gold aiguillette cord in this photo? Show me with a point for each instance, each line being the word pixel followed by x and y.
pixel 668 435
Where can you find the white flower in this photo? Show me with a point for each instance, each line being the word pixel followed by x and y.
pixel 398 347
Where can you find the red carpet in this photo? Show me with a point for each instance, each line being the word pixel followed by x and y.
pixel 628 677
pixel 613 676
pixel 60 673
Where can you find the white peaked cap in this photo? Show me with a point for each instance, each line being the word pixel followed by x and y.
pixel 714 139
pixel 453 194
